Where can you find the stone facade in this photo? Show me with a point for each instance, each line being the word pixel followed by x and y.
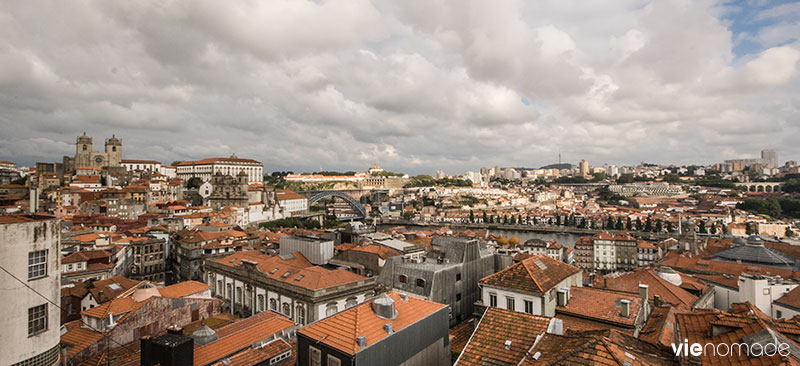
pixel 228 190
pixel 85 156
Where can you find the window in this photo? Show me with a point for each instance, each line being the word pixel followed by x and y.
pixel 286 309
pixel 300 313
pixel 260 303
pixel 420 282
pixel 778 314
pixel 314 356
pixel 458 276
pixel 529 306
pixel 350 302
pixel 403 278
pixel 492 300
pixel 37 319
pixel 239 295
pixel 458 297
pixel 37 264
pixel 331 309
pixel 333 361
pixel 510 303
pixel 84 147
pixel 273 304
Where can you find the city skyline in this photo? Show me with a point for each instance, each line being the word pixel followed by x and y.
pixel 408 86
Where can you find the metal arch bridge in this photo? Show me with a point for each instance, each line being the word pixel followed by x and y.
pixel 361 211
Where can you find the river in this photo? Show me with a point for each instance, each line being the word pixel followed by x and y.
pixel 564 239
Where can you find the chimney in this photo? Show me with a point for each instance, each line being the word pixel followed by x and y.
pixel 626 308
pixel 33 196
pixel 388 328
pixel 170 349
pixel 404 297
pixel 656 301
pixel 383 306
pixel 508 344
pixel 361 341
pixel 562 297
pixel 643 291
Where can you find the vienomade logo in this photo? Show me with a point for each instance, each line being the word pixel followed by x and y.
pixel 733 349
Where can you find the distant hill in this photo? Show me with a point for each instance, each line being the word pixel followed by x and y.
pixel 557 166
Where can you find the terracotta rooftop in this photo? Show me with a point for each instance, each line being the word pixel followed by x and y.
pixel 657 286
pixel 255 356
pixel 182 289
pixel 487 346
pixel 660 326
pixel 296 271
pixel 341 329
pixel 601 305
pixel 23 218
pixel 606 348
pixel 239 335
pixel 85 255
pixel 537 274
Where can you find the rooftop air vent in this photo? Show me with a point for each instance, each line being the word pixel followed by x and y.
pixel 383 306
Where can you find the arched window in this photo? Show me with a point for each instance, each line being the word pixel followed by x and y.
pixel 420 282
pixel 230 292
pixel 350 302
pixel 260 303
pixel 113 148
pixel 287 310
pixel 403 278
pixel 239 294
pixel 300 313
pixel 273 304
pixel 331 309
pixel 219 288
pixel 84 147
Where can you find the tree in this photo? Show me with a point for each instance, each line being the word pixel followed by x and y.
pixel 513 241
pixel 724 229
pixel 672 178
pixel 194 182
pixel 771 207
pixel 713 229
pixel 619 223
pixel 519 219
pixel 471 216
pixel 485 219
pixel 629 224
pixel 610 224
pixel 639 223
pixel 748 229
pixel 502 241
pixel 669 227
pixel 789 233
pixel 408 215
pixel 625 178
pixel 659 225
pixel 648 225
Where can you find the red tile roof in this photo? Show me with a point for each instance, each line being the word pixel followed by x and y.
pixel 239 335
pixel 182 289
pixel 341 329
pixel 487 346
pixel 601 348
pixel 657 286
pixel 537 274
pixel 601 305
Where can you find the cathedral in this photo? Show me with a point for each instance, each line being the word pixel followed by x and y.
pixel 85 156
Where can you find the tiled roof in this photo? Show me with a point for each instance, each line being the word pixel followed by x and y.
pixel 85 255
pixel 537 274
pixel 182 289
pixel 381 251
pixel 660 326
pixel 601 305
pixel 676 260
pixel 487 346
pixel 606 348
pixel 77 338
pixel 460 334
pixel 255 356
pixel 657 286
pixel 341 329
pixel 239 335
pixel 284 195
pixel 296 271
pixel 217 160
pixel 110 291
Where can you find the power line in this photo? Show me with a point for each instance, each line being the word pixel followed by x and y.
pixel 60 309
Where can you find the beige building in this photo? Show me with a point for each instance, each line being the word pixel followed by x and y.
pixel 30 251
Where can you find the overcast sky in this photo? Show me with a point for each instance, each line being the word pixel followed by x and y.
pixel 415 86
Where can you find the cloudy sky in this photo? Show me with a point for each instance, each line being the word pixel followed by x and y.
pixel 414 85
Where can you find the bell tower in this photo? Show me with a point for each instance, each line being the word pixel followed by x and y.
pixel 83 151
pixel 113 151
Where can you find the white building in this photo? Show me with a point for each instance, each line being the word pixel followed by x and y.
pixel 761 291
pixel 206 168
pixel 529 286
pixel 291 202
pixel 605 253
pixel 142 165
pixel 30 252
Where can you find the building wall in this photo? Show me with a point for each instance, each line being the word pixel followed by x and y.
pixel 544 305
pixel 783 312
pixel 316 251
pixel 16 241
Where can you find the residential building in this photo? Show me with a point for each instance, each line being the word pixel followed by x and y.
pixel 663 285
pixel 391 329
pixel 94 264
pixel 760 290
pixel 504 337
pixel 291 202
pixel 149 258
pixel 589 308
pixel 447 274
pixel 584 254
pixel 151 166
pixel 250 282
pixel 30 289
pixel 531 286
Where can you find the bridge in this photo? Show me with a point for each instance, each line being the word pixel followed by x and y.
pixel 762 186
pixel 316 196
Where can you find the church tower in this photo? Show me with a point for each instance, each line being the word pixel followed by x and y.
pixel 83 151
pixel 113 151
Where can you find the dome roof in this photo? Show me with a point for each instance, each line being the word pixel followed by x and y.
pixel 755 252
pixel 739 241
pixel 204 335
